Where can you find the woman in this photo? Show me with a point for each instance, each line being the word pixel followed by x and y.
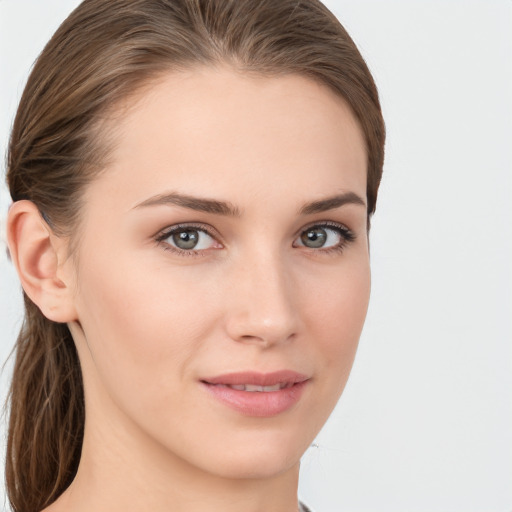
pixel 192 184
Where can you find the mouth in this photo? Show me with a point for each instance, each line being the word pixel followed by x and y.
pixel 258 394
pixel 252 388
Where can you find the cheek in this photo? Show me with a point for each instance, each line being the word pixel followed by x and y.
pixel 142 327
pixel 340 303
pixel 336 315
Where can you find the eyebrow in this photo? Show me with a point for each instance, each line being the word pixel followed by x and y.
pixel 193 203
pixel 228 209
pixel 330 203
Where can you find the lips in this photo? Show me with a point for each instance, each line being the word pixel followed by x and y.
pixel 257 394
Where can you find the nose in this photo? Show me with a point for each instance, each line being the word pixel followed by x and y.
pixel 262 308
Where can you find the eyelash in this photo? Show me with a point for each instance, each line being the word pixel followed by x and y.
pixel 160 238
pixel 347 236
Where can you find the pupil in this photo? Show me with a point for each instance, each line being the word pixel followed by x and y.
pixel 186 239
pixel 314 238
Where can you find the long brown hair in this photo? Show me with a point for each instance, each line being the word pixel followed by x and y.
pixel 103 52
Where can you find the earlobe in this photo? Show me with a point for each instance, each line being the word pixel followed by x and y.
pixel 37 255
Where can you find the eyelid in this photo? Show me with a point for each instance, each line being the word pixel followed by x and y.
pixel 326 224
pixel 200 226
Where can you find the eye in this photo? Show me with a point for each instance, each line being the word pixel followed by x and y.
pixel 325 236
pixel 187 239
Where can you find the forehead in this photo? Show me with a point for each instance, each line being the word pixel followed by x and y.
pixel 210 130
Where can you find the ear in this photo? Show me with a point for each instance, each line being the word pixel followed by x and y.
pixel 41 261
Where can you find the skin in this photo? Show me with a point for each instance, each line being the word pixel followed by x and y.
pixel 150 323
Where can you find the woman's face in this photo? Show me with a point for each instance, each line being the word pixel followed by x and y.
pixel 222 278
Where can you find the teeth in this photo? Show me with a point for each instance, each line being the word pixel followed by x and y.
pixel 258 389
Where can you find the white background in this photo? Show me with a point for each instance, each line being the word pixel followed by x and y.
pixel 425 423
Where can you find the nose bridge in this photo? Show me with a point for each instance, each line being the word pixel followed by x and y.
pixel 262 308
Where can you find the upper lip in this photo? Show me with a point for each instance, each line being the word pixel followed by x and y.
pixel 257 378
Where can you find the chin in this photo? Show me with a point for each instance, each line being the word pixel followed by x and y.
pixel 260 465
pixel 259 455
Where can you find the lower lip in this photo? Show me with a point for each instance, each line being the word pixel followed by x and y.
pixel 255 403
